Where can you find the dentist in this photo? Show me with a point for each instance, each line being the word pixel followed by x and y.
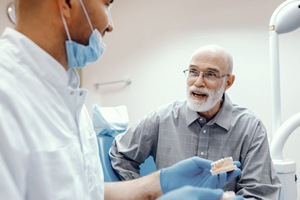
pixel 48 148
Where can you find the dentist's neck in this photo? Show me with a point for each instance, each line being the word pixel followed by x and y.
pixel 36 25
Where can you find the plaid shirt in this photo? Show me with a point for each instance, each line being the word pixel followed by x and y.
pixel 174 132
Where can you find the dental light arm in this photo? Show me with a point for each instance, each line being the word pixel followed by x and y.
pixel 286 18
pixel 282 135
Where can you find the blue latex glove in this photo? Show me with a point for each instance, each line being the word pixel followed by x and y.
pixel 196 193
pixel 237 197
pixel 194 171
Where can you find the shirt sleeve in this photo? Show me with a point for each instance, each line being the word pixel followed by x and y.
pixel 259 179
pixel 12 157
pixel 133 147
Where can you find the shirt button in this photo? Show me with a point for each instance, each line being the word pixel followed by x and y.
pixel 204 131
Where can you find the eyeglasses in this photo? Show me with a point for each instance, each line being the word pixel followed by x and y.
pixel 209 75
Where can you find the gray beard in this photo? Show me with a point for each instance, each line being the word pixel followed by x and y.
pixel 202 106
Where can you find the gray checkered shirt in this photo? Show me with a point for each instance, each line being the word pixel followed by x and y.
pixel 174 132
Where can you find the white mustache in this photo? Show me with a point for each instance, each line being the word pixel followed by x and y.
pixel 199 90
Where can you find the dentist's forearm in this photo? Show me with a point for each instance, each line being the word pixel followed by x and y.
pixel 147 187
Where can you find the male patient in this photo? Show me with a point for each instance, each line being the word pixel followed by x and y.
pixel 207 125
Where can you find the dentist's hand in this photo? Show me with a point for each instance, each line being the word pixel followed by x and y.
pixel 196 193
pixel 194 171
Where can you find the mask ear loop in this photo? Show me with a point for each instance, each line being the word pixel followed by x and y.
pixel 73 82
pixel 66 27
pixel 86 14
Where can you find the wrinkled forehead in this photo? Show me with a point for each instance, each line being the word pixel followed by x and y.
pixel 206 58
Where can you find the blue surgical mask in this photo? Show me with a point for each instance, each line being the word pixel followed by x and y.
pixel 79 55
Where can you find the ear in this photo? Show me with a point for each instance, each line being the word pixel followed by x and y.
pixel 230 81
pixel 65 7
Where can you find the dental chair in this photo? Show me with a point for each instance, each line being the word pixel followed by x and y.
pixel 104 144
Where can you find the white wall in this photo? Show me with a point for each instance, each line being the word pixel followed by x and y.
pixel 4 22
pixel 152 43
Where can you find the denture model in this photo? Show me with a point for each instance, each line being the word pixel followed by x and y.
pixel 222 165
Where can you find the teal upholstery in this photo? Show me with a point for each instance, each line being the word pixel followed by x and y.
pixel 104 143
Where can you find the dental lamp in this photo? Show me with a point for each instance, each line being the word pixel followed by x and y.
pixel 286 18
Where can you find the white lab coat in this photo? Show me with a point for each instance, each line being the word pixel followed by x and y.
pixel 48 148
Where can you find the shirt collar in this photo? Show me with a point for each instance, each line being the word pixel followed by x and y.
pixel 38 59
pixel 223 117
pixel 191 115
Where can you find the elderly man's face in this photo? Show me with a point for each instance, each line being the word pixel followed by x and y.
pixel 206 90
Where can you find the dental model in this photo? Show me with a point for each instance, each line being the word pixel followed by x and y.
pixel 222 165
pixel 228 195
